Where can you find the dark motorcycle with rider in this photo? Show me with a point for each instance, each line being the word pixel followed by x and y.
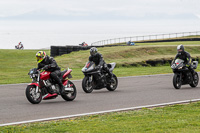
pixel 183 69
pixel 48 81
pixel 98 74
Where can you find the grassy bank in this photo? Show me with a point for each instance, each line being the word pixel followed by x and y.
pixel 126 56
pixel 176 118
pixel 15 64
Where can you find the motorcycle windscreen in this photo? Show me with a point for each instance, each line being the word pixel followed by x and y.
pixel 179 61
pixel 89 66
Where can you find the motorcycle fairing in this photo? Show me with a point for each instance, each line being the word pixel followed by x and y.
pixel 50 96
pixel 111 66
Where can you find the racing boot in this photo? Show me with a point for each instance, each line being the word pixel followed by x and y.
pixel 62 89
pixel 111 76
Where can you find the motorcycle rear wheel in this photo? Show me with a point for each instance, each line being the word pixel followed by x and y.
pixel 177 81
pixel 32 96
pixel 87 87
pixel 70 96
pixel 195 80
pixel 113 85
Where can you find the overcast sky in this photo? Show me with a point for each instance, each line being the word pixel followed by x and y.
pixel 61 22
pixel 99 9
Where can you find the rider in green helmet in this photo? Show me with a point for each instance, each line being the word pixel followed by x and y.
pixel 49 64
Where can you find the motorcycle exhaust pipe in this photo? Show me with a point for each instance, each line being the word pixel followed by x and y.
pixel 69 89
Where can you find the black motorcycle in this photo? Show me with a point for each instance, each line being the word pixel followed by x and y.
pixel 182 75
pixel 96 78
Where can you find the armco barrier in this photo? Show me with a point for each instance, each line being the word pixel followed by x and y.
pixel 170 40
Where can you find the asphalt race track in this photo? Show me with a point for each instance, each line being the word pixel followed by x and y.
pixel 131 92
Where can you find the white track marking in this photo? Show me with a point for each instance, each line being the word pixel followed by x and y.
pixel 100 112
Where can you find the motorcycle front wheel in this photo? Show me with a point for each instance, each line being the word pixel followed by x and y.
pixel 195 80
pixel 32 96
pixel 177 81
pixel 86 85
pixel 70 96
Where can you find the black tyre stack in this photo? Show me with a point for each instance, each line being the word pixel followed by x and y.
pixel 63 50
pixel 54 51
pixel 60 50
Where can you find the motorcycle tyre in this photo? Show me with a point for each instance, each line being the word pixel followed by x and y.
pixel 84 85
pixel 193 84
pixel 66 97
pixel 28 96
pixel 110 88
pixel 175 81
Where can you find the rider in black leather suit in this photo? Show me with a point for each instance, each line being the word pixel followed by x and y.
pixel 49 64
pixel 182 54
pixel 97 58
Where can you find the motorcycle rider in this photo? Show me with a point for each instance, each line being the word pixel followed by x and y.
pixel 48 63
pixel 20 45
pixel 183 55
pixel 97 58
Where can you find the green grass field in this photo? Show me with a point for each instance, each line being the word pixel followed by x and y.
pixel 15 64
pixel 173 119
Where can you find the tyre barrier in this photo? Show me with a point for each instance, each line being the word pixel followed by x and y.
pixel 60 50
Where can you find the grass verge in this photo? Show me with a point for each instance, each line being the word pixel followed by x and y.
pixel 15 64
pixel 176 118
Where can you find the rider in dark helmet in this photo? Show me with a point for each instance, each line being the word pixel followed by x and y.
pixel 49 64
pixel 182 54
pixel 97 58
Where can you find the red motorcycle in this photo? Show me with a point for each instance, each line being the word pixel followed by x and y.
pixel 44 88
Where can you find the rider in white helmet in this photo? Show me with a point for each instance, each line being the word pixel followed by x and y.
pixel 182 54
pixel 97 58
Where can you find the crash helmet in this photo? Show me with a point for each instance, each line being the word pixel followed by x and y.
pixel 93 51
pixel 40 56
pixel 180 48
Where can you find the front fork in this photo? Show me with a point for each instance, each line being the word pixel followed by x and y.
pixel 90 79
pixel 38 81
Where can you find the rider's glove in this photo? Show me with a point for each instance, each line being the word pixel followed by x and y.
pixel 97 67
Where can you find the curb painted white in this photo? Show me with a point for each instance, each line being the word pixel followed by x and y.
pixel 100 112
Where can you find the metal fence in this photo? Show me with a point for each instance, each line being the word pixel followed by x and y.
pixel 145 38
